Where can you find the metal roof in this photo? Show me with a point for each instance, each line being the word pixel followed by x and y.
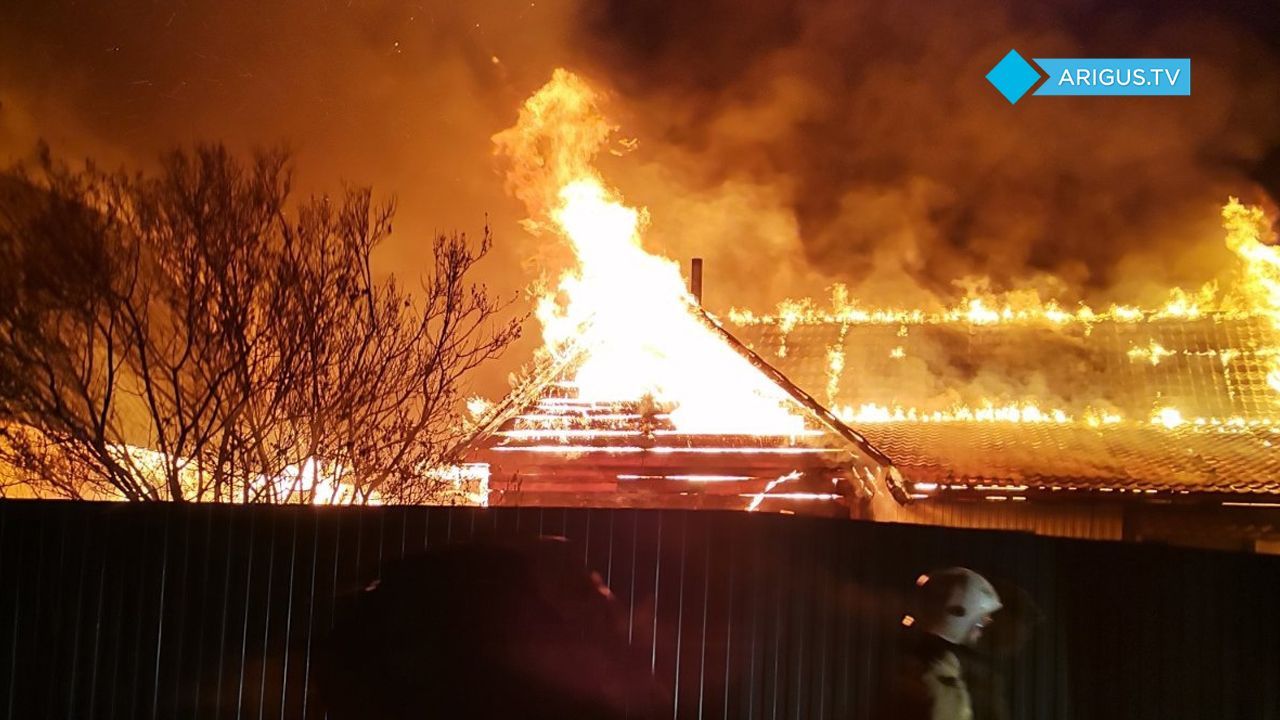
pixel 1168 406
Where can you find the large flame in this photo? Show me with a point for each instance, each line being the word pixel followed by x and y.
pixel 1256 291
pixel 989 308
pixel 1253 292
pixel 1248 228
pixel 625 308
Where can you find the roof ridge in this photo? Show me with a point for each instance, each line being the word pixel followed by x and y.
pixel 892 477
pixel 551 367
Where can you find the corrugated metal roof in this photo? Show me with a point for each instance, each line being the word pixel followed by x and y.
pixel 1009 459
pixel 1212 370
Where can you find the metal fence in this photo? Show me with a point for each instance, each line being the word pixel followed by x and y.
pixel 179 611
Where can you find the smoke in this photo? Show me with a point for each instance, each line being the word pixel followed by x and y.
pixel 402 96
pixel 793 144
pixel 859 142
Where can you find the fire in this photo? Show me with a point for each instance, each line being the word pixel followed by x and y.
pixel 625 309
pixel 1098 418
pixel 835 368
pixel 478 406
pixel 1183 304
pixel 978 314
pixel 759 497
pixel 1027 412
pixel 1255 293
pixel 1168 417
pixel 1153 353
pixel 1019 308
pixel 1249 236
pixel 311 481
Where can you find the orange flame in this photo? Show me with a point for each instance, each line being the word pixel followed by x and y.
pixel 1249 236
pixel 627 309
pixel 1256 293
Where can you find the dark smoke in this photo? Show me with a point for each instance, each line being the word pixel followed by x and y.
pixel 872 126
pixel 793 144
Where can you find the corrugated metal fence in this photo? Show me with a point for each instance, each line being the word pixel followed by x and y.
pixel 126 611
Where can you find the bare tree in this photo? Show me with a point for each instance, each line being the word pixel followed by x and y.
pixel 194 335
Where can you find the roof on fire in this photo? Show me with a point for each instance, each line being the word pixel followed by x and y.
pixel 1162 406
pixel 554 445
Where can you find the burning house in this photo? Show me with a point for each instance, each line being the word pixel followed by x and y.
pixel 1173 444
pixel 1173 440
pixel 1156 424
pixel 547 444
pixel 639 397
pixel 1125 423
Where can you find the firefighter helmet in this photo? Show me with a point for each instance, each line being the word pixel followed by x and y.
pixel 956 604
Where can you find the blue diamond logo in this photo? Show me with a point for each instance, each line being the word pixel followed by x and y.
pixel 1013 76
